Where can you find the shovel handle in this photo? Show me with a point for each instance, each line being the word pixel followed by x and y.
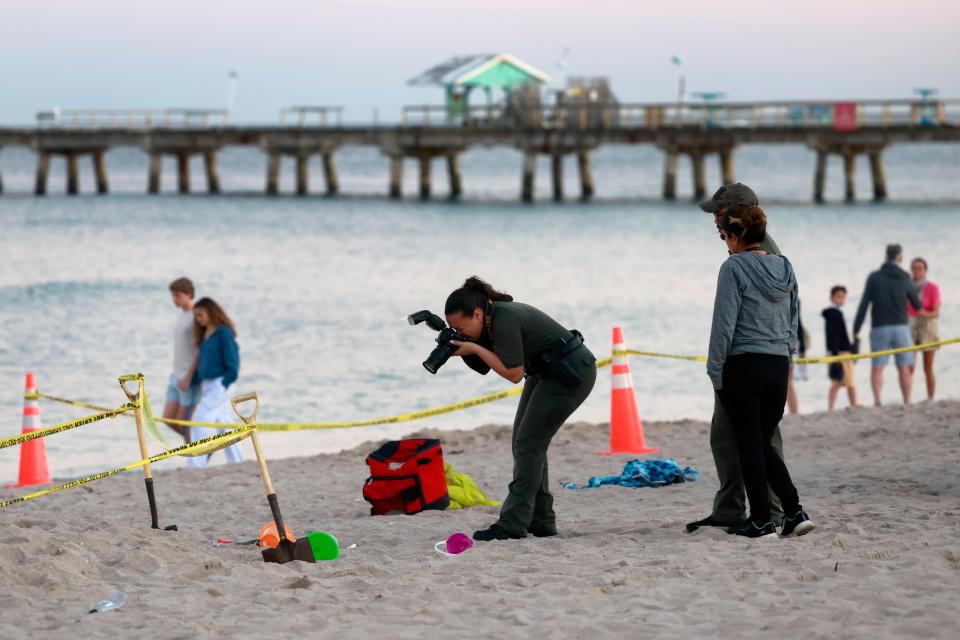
pixel 132 377
pixel 236 400
pixel 277 517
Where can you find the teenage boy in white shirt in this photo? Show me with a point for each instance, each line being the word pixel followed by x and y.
pixel 181 396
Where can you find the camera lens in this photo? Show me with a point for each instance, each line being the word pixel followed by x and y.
pixel 438 357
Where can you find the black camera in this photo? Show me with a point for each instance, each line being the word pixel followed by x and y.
pixel 439 356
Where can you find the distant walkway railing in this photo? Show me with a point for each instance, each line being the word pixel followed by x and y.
pixel 311 116
pixel 746 115
pixel 133 118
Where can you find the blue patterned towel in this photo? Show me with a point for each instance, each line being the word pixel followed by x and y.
pixel 643 473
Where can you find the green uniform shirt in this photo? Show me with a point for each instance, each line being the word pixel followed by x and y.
pixel 770 246
pixel 520 332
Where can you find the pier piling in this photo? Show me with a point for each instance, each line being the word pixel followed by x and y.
pixel 726 166
pixel 557 177
pixel 73 174
pixel 820 176
pixel 100 171
pixel 273 173
pixel 529 173
pixel 586 175
pixel 396 176
pixel 330 174
pixel 849 173
pixel 303 174
pixel 183 172
pixel 425 166
pixel 213 173
pixel 43 170
pixel 153 175
pixel 879 179
pixel 699 179
pixel 453 173
pixel 670 175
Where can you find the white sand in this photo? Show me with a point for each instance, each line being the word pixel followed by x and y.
pixel 882 486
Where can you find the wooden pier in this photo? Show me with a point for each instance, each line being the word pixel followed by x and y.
pixel 699 131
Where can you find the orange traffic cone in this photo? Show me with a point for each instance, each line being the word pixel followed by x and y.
pixel 33 454
pixel 626 429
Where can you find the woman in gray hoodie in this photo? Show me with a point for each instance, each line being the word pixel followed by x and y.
pixel 754 330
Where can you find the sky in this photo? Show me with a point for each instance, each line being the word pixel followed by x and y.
pixel 359 54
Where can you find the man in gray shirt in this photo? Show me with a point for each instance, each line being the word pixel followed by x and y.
pixel 888 290
pixel 730 503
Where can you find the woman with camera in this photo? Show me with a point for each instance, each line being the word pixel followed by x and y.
pixel 518 341
pixel 755 318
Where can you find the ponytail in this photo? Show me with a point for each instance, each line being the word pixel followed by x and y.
pixel 473 295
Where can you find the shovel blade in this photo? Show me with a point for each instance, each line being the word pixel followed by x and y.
pixel 288 551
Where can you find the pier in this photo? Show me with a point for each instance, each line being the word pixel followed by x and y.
pixel 703 132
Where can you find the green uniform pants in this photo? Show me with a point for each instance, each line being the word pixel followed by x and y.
pixel 544 406
pixel 730 504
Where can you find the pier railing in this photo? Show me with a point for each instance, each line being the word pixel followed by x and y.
pixel 755 115
pixel 133 118
pixel 313 116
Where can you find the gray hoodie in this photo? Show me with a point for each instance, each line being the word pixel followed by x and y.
pixel 755 311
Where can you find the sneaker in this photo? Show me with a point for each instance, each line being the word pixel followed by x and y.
pixel 494 532
pixel 711 521
pixel 798 524
pixel 751 529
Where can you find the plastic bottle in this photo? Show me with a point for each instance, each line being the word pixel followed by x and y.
pixel 115 601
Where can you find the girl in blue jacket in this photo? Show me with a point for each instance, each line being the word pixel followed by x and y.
pixel 218 364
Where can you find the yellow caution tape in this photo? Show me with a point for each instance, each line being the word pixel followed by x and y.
pixel 888 352
pixel 466 404
pixel 821 360
pixel 206 445
pixel 650 354
pixel 404 417
pixel 75 403
pixel 59 428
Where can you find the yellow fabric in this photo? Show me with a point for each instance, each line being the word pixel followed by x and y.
pixel 463 491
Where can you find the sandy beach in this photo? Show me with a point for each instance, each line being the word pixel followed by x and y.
pixel 881 484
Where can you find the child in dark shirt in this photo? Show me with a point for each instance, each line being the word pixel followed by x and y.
pixel 838 343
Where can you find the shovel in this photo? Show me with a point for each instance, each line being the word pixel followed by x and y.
pixel 137 400
pixel 286 550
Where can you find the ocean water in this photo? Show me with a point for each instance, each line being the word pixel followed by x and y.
pixel 319 287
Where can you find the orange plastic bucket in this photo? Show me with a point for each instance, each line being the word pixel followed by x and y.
pixel 269 536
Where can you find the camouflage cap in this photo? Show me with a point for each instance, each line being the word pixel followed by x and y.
pixel 733 196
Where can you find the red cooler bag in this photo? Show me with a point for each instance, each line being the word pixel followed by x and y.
pixel 406 475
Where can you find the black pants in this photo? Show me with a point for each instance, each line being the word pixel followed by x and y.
pixel 753 395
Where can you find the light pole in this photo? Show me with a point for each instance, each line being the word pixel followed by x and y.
pixel 562 69
pixel 681 81
pixel 681 85
pixel 231 90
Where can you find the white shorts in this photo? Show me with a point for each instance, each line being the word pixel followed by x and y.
pixel 214 406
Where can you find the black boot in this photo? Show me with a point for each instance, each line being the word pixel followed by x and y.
pixel 494 532
pixel 542 530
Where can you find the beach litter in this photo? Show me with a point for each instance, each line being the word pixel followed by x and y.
pixel 115 601
pixel 223 542
pixel 643 473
